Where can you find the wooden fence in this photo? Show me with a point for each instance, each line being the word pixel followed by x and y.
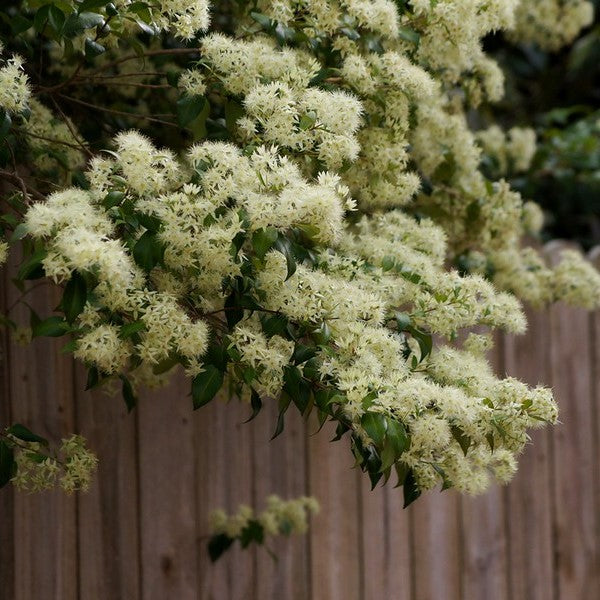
pixel 140 533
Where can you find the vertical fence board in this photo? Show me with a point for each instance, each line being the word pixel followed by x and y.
pixel 399 558
pixel 213 427
pixel 594 257
pixel 386 543
pixel 437 547
pixel 280 468
pixel 529 495
pixel 335 552
pixel 108 513
pixel 574 514
pixel 41 383
pixel 483 532
pixel 7 506
pixel 225 479
pixel 167 494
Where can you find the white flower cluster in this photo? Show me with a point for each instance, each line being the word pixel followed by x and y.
pixel 552 24
pixel 185 18
pixel 248 245
pixel 14 85
pixel 513 150
pixel 280 517
pixel 72 469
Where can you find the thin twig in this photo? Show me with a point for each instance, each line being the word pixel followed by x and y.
pixel 119 112
pixel 143 55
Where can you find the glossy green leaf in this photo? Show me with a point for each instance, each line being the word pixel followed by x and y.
pixel 74 297
pixel 25 434
pixel 206 385
pixel 7 463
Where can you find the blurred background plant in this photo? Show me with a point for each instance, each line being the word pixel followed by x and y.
pixel 557 89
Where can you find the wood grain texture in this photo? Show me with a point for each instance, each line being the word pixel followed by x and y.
pixel 280 468
pixel 7 504
pixel 575 515
pixel 167 494
pixel 529 495
pixel 108 513
pixel 483 535
pixel 386 543
pixel 224 479
pixel 335 539
pixel 437 546
pixel 42 398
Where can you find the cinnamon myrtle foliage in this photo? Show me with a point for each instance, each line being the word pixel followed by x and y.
pixel 267 195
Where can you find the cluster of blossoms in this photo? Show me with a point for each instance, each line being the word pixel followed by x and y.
pixel 14 85
pixel 280 517
pixel 552 24
pixel 71 469
pixel 305 258
pixel 511 151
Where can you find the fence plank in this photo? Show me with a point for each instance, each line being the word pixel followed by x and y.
pixel 483 531
pixel 45 539
pixel 574 515
pixel 335 551
pixel 108 513
pixel 167 494
pixel 7 506
pixel 386 543
pixel 594 256
pixel 213 435
pixel 225 480
pixel 280 468
pixel 437 548
pixel 529 495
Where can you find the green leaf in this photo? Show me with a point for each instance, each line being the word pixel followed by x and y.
pixel 411 491
pixel 388 263
pixel 89 5
pixel 233 111
pixel 32 268
pixel 93 48
pixel 21 432
pixel 253 532
pixel 284 403
pixel 5 123
pixel 87 20
pixel 424 340
pixel 19 233
pixel 217 545
pixel 308 120
pixel 263 240
pixel 409 35
pixel 56 18
pixel 297 387
pixel 128 393
pixel 50 327
pixel 148 251
pixel 113 198
pixel 255 403
pixel 274 325
pixel 375 426
pixel 464 441
pixel 74 297
pixel 129 329
pixel 402 321
pixel 93 378
pixel 206 385
pixel 188 108
pixel 262 20
pixel 284 246
pixel 7 463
